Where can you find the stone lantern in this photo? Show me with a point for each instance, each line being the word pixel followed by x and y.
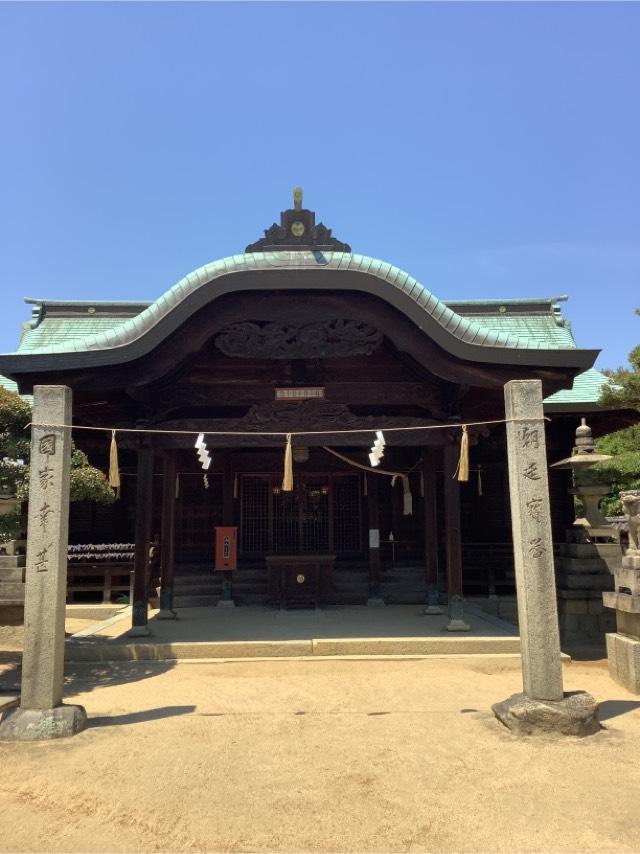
pixel 592 525
pixel 586 560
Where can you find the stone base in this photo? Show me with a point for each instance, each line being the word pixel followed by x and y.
pixel 139 632
pixel 41 724
pixel 576 714
pixel 623 654
pixel 375 602
pixel 166 615
pixel 433 609
pixel 226 603
pixel 457 626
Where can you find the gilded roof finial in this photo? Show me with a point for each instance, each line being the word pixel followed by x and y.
pixel 297 198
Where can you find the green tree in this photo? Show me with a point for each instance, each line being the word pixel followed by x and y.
pixel 622 471
pixel 87 482
pixel 624 393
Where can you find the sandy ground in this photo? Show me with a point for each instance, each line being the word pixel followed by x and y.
pixel 11 636
pixel 320 755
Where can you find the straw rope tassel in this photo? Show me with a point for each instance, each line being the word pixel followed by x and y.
pixel 463 465
pixel 287 480
pixel 480 480
pixel 114 469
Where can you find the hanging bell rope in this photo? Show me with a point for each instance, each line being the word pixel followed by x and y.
pixel 287 480
pixel 394 475
pixel 114 468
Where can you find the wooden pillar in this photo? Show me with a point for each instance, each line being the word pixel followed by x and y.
pixel 144 506
pixel 168 535
pixel 373 507
pixel 228 518
pixel 429 469
pixel 453 534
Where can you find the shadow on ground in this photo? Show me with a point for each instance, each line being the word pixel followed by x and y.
pixel 84 676
pixel 613 708
pixel 140 717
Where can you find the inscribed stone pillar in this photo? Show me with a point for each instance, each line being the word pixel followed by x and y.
pixel 532 540
pixel 542 708
pixel 41 713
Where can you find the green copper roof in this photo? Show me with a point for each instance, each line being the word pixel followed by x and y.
pixel 53 333
pixel 471 336
pixel 586 389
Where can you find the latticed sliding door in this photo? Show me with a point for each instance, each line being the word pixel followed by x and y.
pixel 199 510
pixel 322 515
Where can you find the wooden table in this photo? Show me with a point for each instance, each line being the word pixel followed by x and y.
pixel 298 581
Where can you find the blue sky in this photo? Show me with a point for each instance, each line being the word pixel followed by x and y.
pixel 491 150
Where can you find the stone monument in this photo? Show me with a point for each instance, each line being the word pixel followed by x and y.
pixel 623 646
pixel 41 713
pixel 543 706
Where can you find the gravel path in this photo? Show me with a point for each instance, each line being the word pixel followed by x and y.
pixel 321 755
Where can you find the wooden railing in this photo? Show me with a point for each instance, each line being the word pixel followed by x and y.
pixel 102 577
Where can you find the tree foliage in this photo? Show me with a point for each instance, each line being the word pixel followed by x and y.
pixel 87 482
pixel 622 471
pixel 625 393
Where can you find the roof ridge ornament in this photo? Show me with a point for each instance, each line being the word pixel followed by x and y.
pixel 298 232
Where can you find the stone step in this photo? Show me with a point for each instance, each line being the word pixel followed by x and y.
pixel 12 590
pixel 586 550
pixel 15 573
pixel 587 581
pixel 11 561
pixel 194 601
pixel 572 564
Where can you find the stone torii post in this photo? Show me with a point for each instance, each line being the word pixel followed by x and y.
pixel 41 713
pixel 543 706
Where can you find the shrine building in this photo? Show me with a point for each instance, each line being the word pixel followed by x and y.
pixel 299 335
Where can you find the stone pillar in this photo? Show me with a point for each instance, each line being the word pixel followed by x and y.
pixel 430 530
pixel 144 508
pixel 168 536
pixel 41 714
pixel 453 536
pixel 542 707
pixel 373 508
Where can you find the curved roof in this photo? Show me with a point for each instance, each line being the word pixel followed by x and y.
pixel 462 336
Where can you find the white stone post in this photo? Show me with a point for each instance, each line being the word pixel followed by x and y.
pixel 543 706
pixel 41 713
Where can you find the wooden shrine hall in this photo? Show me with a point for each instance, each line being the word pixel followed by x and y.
pixel 301 335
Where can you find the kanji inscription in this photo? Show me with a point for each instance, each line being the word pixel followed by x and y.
pixel 532 472
pixel 47 444
pixel 41 562
pixel 45 475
